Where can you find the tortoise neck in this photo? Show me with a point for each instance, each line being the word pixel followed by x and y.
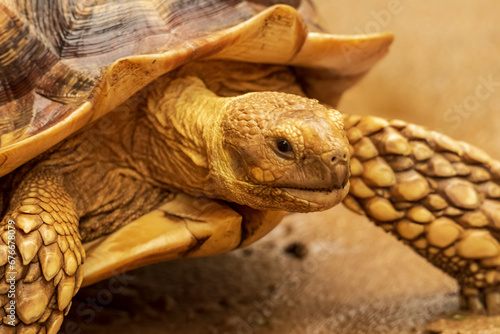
pixel 183 118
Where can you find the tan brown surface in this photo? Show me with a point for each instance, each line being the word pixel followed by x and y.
pixel 354 279
pixel 439 57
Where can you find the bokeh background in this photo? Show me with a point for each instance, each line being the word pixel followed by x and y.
pixel 334 272
pixel 441 54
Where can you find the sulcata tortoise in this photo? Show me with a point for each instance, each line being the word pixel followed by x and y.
pixel 138 132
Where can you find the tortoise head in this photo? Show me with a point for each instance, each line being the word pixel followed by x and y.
pixel 282 152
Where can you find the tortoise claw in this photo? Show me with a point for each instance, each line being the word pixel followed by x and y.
pixel 473 301
pixel 481 301
pixel 493 302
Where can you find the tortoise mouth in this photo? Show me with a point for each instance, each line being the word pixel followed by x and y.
pixel 325 190
pixel 318 198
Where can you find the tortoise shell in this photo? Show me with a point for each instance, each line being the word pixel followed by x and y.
pixel 65 64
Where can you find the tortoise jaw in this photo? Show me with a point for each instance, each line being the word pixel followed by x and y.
pixel 318 199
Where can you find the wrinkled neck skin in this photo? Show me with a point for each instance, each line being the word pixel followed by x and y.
pixel 185 117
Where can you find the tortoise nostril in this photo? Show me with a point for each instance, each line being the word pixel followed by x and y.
pixel 335 157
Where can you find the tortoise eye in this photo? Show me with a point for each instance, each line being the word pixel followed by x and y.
pixel 283 145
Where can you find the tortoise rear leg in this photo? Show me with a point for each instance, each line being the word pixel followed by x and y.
pixel 439 196
pixel 41 256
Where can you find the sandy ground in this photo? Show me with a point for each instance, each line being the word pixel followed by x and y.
pixel 352 279
pixel 343 275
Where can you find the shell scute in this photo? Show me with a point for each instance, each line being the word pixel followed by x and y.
pixel 58 75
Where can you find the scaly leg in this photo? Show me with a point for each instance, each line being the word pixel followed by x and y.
pixel 41 256
pixel 439 196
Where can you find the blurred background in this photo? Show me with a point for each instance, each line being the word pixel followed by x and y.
pixel 442 70
pixel 334 272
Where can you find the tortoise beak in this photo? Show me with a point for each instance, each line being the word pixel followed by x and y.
pixel 338 162
pixel 340 175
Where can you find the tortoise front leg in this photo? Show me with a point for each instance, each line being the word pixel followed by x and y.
pixel 439 196
pixel 41 256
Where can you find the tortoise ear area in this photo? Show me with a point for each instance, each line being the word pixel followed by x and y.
pixel 237 162
pixel 244 153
